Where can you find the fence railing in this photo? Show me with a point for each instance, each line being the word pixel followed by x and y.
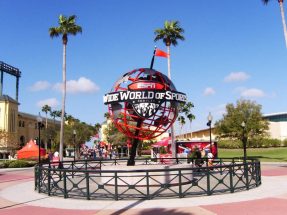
pixel 148 179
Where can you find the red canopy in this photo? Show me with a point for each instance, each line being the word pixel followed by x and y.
pixel 163 142
pixel 31 150
pixel 103 144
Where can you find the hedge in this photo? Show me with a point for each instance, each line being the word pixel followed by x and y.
pixel 17 164
pixel 252 143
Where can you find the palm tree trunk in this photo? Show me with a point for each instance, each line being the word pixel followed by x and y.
pixel 173 147
pixel 168 62
pixel 46 120
pixel 283 21
pixel 63 103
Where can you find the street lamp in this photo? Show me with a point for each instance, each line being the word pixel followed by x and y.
pixel 74 135
pixel 39 122
pixel 209 120
pixel 244 138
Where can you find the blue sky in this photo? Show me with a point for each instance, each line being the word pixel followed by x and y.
pixel 233 50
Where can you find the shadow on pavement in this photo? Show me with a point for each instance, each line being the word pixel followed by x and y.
pixel 153 211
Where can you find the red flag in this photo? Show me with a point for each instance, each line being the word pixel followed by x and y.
pixel 160 53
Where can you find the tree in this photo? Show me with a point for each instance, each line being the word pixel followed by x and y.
pixel 67 26
pixel 46 109
pixel 8 141
pixel 282 17
pixel 185 112
pixel 242 121
pixel 170 34
pixel 113 135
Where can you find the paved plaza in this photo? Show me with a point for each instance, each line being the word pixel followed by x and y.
pixel 17 196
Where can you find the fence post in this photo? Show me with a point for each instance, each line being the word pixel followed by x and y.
pixel 179 184
pixel 73 169
pixel 220 160
pixel 49 181
pixel 35 177
pixel 231 179
pixel 39 179
pixel 65 185
pixel 246 174
pixel 88 185
pixel 147 185
pixel 116 186
pixel 208 181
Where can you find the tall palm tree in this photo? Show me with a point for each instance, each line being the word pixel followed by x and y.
pixel 185 112
pixel 46 109
pixel 282 17
pixel 53 114
pixel 170 34
pixel 67 26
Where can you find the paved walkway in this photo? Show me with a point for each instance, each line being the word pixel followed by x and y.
pixel 17 196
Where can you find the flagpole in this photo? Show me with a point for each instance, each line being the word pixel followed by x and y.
pixel 152 60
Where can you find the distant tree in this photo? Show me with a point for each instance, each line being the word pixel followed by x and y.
pixel 282 17
pixel 84 133
pixel 185 113
pixel 242 121
pixel 113 135
pixel 97 126
pixel 8 141
pixel 46 109
pixel 67 26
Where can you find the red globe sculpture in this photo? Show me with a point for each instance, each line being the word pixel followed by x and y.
pixel 143 103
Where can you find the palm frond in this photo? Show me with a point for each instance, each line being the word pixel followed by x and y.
pixel 265 1
pixel 170 33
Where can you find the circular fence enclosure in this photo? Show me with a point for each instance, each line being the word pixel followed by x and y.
pixel 148 179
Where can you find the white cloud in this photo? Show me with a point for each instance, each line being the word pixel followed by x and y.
pixel 252 92
pixel 83 85
pixel 208 91
pixel 52 102
pixel 236 76
pixel 40 85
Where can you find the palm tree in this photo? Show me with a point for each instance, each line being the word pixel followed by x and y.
pixel 169 35
pixel 67 26
pixel 53 115
pixel 185 112
pixel 282 16
pixel 46 109
pixel 70 119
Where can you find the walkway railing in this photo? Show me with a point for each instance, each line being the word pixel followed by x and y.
pixel 95 179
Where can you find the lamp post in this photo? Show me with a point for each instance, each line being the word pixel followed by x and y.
pixel 244 138
pixel 74 135
pixel 209 121
pixel 39 122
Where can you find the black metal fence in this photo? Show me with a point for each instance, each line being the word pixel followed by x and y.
pixel 110 179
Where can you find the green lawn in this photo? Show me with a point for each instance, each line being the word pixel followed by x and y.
pixel 264 154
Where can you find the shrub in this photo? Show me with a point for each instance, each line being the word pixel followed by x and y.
pixel 264 143
pixel 252 143
pixel 17 164
pixel 284 142
pixel 230 144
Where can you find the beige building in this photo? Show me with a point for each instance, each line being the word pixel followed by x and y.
pixel 203 134
pixel 16 128
pixel 277 129
pixel 277 125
